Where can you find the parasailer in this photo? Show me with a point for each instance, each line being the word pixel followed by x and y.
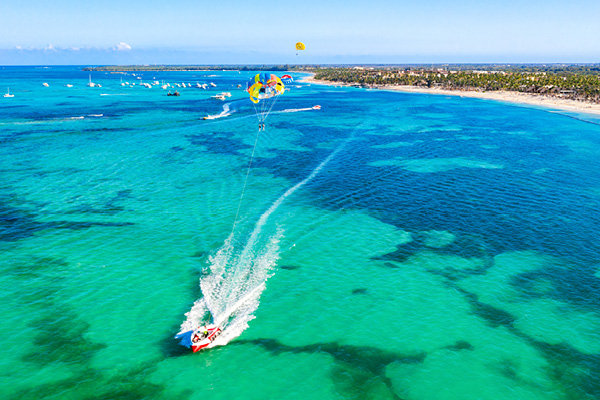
pixel 300 46
pixel 264 89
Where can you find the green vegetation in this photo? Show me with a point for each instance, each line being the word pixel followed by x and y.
pixel 578 82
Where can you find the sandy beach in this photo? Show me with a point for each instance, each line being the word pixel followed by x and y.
pixel 512 97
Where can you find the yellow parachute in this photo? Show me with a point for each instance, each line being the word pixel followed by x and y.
pixel 300 46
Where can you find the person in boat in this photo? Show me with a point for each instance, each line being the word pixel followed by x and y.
pixel 200 335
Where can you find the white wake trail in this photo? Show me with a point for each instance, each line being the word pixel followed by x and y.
pixel 235 279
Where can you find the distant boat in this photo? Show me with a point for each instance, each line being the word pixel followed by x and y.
pixel 8 93
pixel 45 84
pixel 68 85
pixel 213 85
pixel 91 84
pixel 218 97
pixel 176 93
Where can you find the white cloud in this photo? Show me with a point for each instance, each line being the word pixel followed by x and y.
pixel 122 46
pixel 50 47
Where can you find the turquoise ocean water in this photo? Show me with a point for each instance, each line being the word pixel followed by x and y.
pixel 389 245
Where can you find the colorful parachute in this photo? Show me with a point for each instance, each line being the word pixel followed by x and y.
pixel 264 89
pixel 300 46
pixel 286 79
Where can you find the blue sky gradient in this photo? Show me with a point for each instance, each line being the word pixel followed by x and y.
pixel 380 31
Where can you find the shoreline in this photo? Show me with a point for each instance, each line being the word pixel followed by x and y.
pixel 510 97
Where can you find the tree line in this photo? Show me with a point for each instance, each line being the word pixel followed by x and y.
pixel 574 82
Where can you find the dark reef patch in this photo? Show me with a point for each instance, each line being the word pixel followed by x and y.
pixel 402 253
pixel 577 286
pixel 356 365
pixel 360 291
pixel 290 267
pixel 460 345
pixel 17 223
pixel 494 316
pixel 219 144
pixel 61 338
pixel 110 207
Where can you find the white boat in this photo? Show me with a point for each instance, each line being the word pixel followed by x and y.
pixel 218 97
pixel 213 85
pixel 226 94
pixel 68 85
pixel 45 84
pixel 8 93
pixel 91 84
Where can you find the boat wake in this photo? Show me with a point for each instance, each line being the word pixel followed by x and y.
pixel 290 110
pixel 236 276
pixel 227 111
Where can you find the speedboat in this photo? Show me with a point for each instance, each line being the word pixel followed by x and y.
pixel 8 93
pixel 45 84
pixel 317 107
pixel 199 338
pixel 218 97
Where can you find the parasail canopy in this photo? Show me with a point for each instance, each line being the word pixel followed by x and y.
pixel 300 46
pixel 264 89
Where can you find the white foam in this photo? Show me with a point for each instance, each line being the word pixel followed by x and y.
pixel 236 278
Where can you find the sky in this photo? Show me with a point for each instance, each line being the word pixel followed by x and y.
pixel 91 32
